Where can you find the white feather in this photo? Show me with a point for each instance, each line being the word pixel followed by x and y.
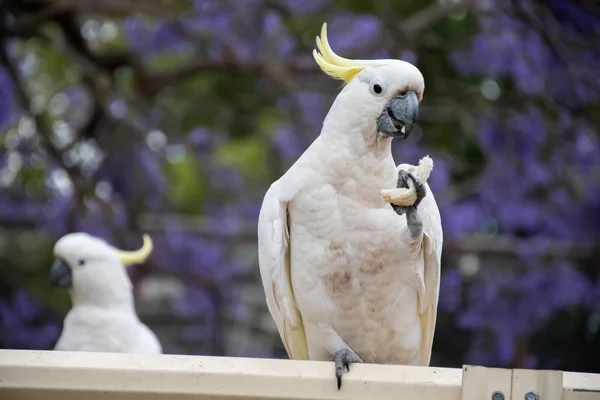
pixel 338 265
pixel 103 316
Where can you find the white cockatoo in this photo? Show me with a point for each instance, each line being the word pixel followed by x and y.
pixel 103 316
pixel 347 276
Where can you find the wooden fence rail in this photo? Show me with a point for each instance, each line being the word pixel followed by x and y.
pixel 29 375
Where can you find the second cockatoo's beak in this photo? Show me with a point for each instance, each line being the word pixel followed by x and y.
pixel 61 275
pixel 399 115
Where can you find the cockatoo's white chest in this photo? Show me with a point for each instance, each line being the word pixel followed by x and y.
pixel 352 265
pixel 88 328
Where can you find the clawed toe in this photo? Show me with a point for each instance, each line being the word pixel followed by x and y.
pixel 402 179
pixel 421 191
pixel 343 358
pixel 419 188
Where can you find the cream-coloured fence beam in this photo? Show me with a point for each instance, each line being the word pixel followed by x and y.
pixel 486 383
pixel 29 375
pixel 525 384
pixel 32 375
pixel 530 384
pixel 580 386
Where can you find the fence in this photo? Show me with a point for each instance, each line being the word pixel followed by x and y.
pixel 28 375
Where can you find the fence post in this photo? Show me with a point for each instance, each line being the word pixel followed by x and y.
pixel 481 383
pixel 528 384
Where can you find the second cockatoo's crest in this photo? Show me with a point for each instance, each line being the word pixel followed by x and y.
pixel 333 65
pixel 77 243
pixel 128 258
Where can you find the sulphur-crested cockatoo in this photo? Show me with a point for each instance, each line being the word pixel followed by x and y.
pixel 103 316
pixel 347 276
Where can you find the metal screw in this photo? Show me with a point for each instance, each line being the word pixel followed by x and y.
pixel 532 395
pixel 497 395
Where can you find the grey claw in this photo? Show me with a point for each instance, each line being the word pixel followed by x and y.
pixel 402 179
pixel 402 183
pixel 414 222
pixel 419 188
pixel 343 358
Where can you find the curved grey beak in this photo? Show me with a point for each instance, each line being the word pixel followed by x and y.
pixel 61 275
pixel 399 115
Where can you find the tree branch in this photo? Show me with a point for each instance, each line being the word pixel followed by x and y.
pixel 79 182
pixel 504 245
pixel 425 18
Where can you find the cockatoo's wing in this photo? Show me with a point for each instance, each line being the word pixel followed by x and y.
pixel 432 253
pixel 274 263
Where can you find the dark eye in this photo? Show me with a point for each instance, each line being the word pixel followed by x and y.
pixel 81 262
pixel 377 88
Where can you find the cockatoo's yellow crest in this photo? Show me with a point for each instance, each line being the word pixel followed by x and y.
pixel 128 258
pixel 333 65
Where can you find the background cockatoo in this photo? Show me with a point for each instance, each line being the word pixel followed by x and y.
pixel 347 276
pixel 102 317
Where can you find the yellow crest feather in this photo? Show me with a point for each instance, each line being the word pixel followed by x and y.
pixel 333 65
pixel 128 258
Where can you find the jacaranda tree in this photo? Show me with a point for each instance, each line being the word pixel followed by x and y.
pixel 173 117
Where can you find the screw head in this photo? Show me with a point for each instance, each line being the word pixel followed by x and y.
pixel 497 395
pixel 532 395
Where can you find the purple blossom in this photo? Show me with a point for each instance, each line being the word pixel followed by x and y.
pixel 145 180
pixel 138 33
pixel 277 34
pixel 168 37
pixel 26 324
pixel 194 304
pixel 346 32
pixel 530 165
pixel 439 178
pixel 450 290
pixel 8 106
pixel 462 218
pixel 307 6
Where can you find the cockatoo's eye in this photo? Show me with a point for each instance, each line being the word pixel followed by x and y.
pixel 81 262
pixel 377 88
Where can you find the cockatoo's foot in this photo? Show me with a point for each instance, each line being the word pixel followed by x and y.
pixel 414 222
pixel 403 177
pixel 343 358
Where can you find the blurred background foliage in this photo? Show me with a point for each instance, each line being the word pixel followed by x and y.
pixel 173 117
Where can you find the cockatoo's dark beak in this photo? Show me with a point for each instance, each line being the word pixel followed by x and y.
pixel 61 275
pixel 399 115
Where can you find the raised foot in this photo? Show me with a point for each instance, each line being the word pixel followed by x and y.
pixel 343 358
pixel 414 222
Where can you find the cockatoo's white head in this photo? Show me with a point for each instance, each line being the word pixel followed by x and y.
pixel 94 270
pixel 378 95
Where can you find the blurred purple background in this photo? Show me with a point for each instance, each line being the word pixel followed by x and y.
pixel 173 117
